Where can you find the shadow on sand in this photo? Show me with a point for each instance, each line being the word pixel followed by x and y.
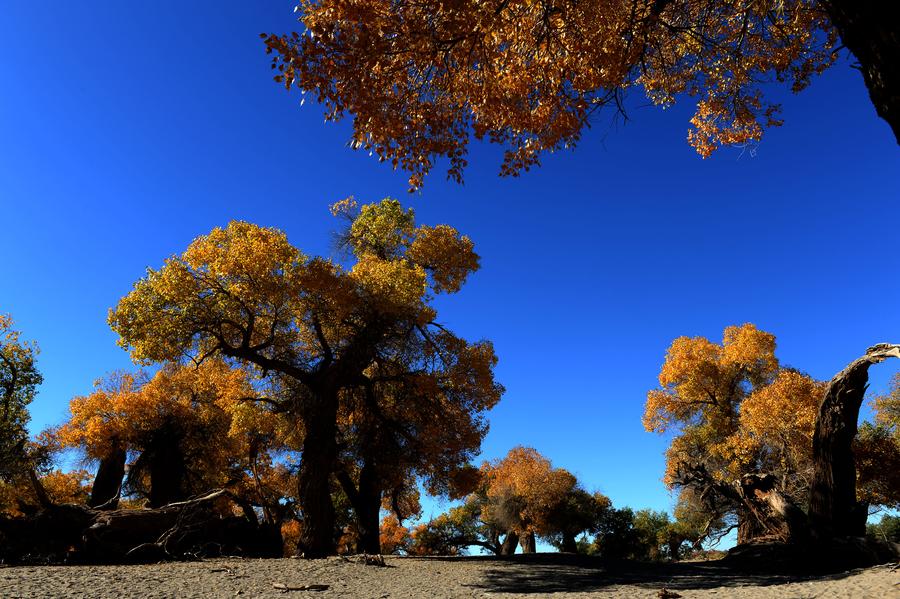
pixel 556 572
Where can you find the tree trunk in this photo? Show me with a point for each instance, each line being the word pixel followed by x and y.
pixel 869 29
pixel 748 527
pixel 674 546
pixel 366 502
pixel 316 465
pixel 509 543
pixel 527 542
pixel 108 481
pixel 569 544
pixel 167 466
pixel 833 509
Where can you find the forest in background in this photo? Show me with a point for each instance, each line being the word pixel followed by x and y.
pixel 292 404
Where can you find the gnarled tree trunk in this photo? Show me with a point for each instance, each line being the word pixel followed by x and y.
pixel 108 481
pixel 166 465
pixel 833 509
pixel 869 29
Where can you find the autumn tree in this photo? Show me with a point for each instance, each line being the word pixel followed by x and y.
pixel 702 387
pixel 419 79
pixel 877 451
pixel 18 496
pixel 394 536
pixel 245 294
pixel 747 430
pixel 186 428
pixel 527 497
pixel 19 379
pixel 461 527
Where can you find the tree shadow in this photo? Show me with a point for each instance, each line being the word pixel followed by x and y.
pixel 556 573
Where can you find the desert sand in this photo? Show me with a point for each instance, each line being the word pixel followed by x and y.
pixel 528 576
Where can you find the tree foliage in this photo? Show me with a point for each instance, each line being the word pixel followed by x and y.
pixel 188 428
pixel 419 79
pixel 348 344
pixel 736 411
pixel 19 379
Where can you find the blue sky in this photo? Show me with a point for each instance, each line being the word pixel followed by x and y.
pixel 129 129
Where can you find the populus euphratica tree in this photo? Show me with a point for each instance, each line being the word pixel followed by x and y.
pixel 419 78
pixel 245 294
pixel 186 428
pixel 19 379
pixel 746 430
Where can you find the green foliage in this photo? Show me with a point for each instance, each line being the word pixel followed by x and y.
pixel 887 529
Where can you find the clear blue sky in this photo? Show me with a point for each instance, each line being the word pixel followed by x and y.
pixel 128 129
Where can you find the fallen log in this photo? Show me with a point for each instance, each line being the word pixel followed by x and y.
pixel 182 530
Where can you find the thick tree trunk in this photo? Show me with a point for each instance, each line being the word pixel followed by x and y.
pixel 569 544
pixel 871 30
pixel 167 466
pixel 108 481
pixel 366 501
pixel 749 527
pixel 833 508
pixel 674 546
pixel 509 543
pixel 528 543
pixel 316 465
pixel 368 510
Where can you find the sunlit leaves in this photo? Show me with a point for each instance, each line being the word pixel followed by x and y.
pixel 419 79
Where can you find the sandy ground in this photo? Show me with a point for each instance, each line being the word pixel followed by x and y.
pixel 561 576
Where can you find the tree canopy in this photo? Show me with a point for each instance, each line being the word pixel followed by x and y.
pixel 346 343
pixel 420 79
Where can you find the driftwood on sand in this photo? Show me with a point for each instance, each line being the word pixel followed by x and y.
pixel 181 530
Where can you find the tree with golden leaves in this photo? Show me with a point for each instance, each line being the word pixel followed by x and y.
pixel 187 428
pixel 19 379
pixel 745 430
pixel 246 295
pixel 702 388
pixel 518 498
pixel 420 78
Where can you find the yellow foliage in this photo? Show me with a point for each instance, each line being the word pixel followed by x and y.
pixel 522 489
pixel 419 78
pixel 394 537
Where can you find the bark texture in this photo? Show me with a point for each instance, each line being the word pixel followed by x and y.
pixel 314 488
pixel 870 29
pixel 833 508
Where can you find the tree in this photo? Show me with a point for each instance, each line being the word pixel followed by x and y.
pixel 186 427
pixel 834 509
pixel 420 78
pixel 19 379
pixel 877 451
pixel 887 529
pixel 461 527
pixel 780 444
pixel 702 388
pixel 245 294
pixel 394 536
pixel 18 497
